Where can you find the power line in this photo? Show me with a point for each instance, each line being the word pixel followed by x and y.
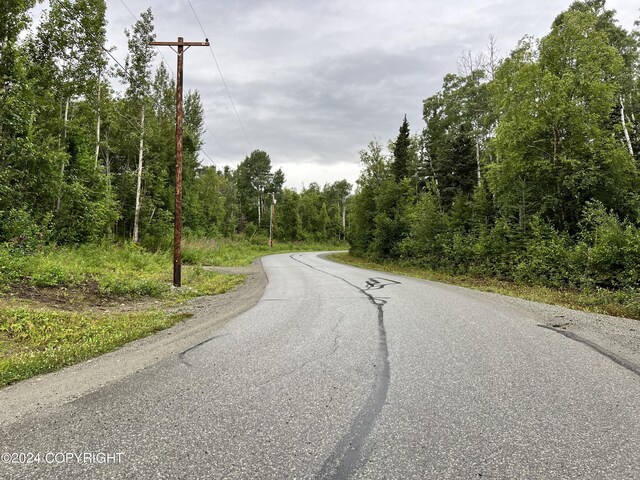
pixel 156 48
pixel 127 74
pixel 224 82
pixel 164 59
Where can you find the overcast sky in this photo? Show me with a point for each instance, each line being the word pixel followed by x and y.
pixel 314 81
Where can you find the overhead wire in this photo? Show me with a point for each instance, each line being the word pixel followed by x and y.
pixel 127 74
pixel 224 153
pixel 224 82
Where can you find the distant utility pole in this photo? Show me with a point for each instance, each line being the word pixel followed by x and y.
pixel 273 212
pixel 177 224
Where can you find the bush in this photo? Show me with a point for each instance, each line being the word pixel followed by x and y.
pixel 22 232
pixel 548 257
pixel 613 260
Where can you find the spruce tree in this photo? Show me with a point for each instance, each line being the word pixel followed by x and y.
pixel 401 152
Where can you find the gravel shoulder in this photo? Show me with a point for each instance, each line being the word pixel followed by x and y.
pixel 209 313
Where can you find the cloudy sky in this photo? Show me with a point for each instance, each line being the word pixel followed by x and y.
pixel 314 81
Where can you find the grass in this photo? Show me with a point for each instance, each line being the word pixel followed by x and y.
pixel 619 303
pixel 34 341
pixel 52 301
pixel 233 253
pixel 106 270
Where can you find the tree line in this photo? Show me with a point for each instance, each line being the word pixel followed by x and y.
pixel 87 145
pixel 527 167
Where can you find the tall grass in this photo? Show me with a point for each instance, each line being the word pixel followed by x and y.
pixel 113 270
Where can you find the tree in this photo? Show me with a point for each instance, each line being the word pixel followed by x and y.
pixel 554 138
pixel 374 170
pixel 336 195
pixel 457 120
pixel 401 152
pixel 288 225
pixel 14 19
pixel 254 180
pixel 71 39
pixel 138 77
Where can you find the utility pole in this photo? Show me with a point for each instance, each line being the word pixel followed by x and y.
pixel 177 224
pixel 273 213
pixel 344 218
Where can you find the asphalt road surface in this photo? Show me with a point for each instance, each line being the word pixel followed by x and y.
pixel 340 372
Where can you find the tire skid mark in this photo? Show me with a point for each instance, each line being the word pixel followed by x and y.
pixel 603 351
pixel 348 456
pixel 182 354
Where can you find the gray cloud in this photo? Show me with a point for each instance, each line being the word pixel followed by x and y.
pixel 314 81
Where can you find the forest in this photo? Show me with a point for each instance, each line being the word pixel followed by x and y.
pixel 87 149
pixel 527 167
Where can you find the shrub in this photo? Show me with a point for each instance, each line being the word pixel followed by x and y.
pixel 22 232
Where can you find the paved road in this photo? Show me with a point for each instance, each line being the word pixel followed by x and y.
pixel 340 372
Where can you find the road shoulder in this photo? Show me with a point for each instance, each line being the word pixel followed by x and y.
pixel 209 314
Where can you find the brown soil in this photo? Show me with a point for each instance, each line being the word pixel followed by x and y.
pixel 75 298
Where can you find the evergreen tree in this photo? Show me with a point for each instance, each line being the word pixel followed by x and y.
pixel 401 152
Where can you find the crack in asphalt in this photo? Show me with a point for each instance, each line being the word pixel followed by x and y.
pixel 347 456
pixel 309 361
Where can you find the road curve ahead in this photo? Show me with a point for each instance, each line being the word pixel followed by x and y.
pixel 340 372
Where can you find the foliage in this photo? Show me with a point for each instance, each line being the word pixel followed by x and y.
pixel 82 162
pixel 525 170
pixel 125 271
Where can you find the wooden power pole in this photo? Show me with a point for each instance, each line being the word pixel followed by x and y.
pixel 272 219
pixel 177 224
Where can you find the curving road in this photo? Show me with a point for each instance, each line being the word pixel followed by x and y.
pixel 340 372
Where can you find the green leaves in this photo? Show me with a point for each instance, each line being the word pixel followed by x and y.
pixel 138 63
pixel 515 165
pixel 554 137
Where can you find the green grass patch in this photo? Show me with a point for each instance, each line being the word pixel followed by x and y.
pixel 619 303
pixel 108 271
pixel 37 337
pixel 241 252
pixel 34 341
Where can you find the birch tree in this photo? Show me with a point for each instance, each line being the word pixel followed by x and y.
pixel 72 37
pixel 138 77
pixel 555 137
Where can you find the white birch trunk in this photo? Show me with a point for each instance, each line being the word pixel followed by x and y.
pixel 624 127
pixel 433 172
pixel 136 218
pixel 95 166
pixel 259 210
pixel 344 220
pixel 478 159
pixel 107 161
